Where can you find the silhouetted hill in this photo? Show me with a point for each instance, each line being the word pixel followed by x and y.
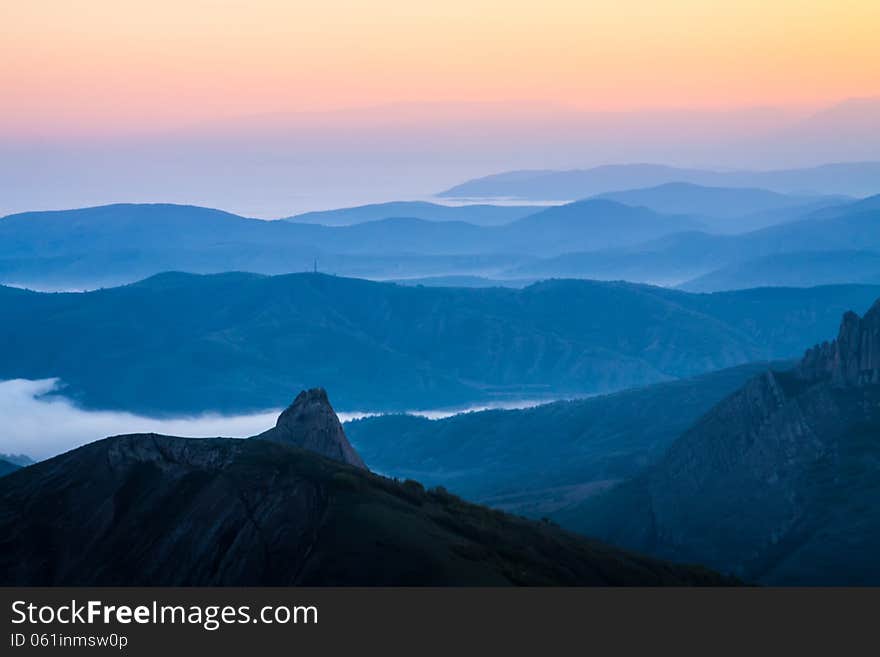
pixel 542 459
pixel 777 483
pixel 480 215
pixel 849 179
pixel 162 511
pixel 229 342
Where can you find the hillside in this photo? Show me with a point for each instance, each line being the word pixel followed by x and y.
pixel 541 459
pixel 6 467
pixel 180 343
pixel 777 483
pixel 155 510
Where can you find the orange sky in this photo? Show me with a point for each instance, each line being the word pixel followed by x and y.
pixel 120 65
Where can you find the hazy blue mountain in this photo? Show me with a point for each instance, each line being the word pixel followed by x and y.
pixel 17 459
pixel 7 467
pixel 594 223
pixel 675 259
pixel 778 482
pixel 116 244
pixel 538 460
pixel 480 215
pixel 800 269
pixel 848 179
pixel 182 343
pixel 223 512
pixel 465 281
pixel 727 209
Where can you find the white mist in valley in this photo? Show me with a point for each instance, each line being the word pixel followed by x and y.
pixel 40 424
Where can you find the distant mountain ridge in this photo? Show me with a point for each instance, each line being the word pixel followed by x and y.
pixel 110 245
pixel 849 179
pixel 676 259
pixel 480 214
pixel 777 483
pixel 234 340
pixel 732 209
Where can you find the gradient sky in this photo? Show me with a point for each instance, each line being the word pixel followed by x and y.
pixel 122 66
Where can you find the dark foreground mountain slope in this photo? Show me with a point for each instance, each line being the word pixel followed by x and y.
pixel 183 343
pixel 157 510
pixel 778 483
pixel 542 459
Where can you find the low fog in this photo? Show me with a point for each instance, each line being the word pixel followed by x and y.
pixel 41 425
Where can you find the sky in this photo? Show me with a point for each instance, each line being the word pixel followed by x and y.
pixel 111 66
pixel 268 108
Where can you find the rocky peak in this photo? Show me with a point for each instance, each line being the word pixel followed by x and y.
pixel 311 423
pixel 852 359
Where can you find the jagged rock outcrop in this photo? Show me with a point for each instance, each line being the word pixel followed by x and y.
pixel 311 423
pixel 853 358
pixel 777 483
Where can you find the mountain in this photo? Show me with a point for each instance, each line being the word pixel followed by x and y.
pixel 311 423
pixel 232 341
pixel 493 456
pixel 480 215
pixel 111 245
pixel 7 467
pixel 596 223
pixel 777 483
pixel 848 179
pixel 156 510
pixel 464 281
pixel 676 259
pixel 731 209
pixel 17 459
pixel 800 269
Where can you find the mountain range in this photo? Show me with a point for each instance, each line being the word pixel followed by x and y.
pixel 110 245
pixel 777 483
pixel 848 179
pixel 679 258
pixel 725 209
pixel 539 460
pixel 281 509
pixel 183 343
pixel 479 215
